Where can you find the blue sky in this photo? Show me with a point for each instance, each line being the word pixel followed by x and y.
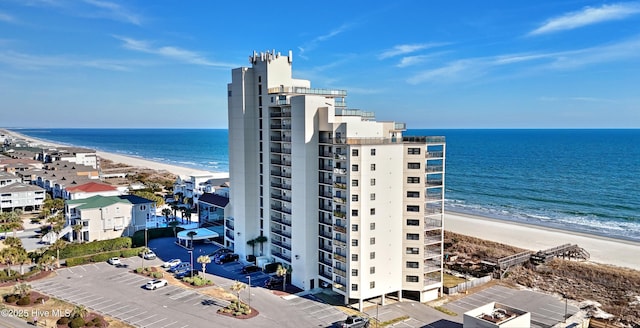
pixel 431 64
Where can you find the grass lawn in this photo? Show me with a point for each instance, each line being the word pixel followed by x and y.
pixel 451 281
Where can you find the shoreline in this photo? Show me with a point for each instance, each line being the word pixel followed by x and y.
pixel 183 172
pixel 603 249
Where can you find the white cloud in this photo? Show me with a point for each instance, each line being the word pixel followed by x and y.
pixel 411 60
pixel 33 62
pixel 7 18
pixel 453 71
pixel 588 16
pixel 182 55
pixel 115 11
pixel 403 49
pixel 310 45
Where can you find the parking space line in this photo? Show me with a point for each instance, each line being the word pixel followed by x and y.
pixel 153 323
pixel 153 315
pixel 169 324
pixel 134 309
pixel 92 300
pixel 106 300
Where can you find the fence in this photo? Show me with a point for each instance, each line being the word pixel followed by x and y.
pixel 463 286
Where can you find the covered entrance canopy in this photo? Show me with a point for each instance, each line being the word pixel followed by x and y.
pixel 184 238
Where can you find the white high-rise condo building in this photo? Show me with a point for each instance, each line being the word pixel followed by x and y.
pixel 345 202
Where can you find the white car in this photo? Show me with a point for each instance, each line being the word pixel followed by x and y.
pixel 149 255
pixel 171 263
pixel 156 283
pixel 114 261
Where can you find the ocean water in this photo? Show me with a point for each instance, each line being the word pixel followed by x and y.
pixel 579 180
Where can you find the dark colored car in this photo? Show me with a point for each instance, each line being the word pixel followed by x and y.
pixel 250 269
pixel 182 267
pixel 354 321
pixel 226 258
pixel 274 282
pixel 186 273
pixel 219 252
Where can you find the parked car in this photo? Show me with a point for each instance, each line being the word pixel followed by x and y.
pixel 171 263
pixel 114 261
pixel 354 321
pixel 250 269
pixel 148 255
pixel 219 252
pixel 274 282
pixel 180 267
pixel 156 283
pixel 226 258
pixel 186 273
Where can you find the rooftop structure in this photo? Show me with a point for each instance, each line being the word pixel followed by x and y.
pixel 496 315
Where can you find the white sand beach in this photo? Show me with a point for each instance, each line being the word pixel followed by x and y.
pixel 602 249
pixel 128 160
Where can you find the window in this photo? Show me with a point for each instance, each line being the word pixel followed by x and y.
pixel 373 182
pixel 413 179
pixel 372 211
pixel 412 265
pixel 373 167
pixel 372 226
pixel 373 152
pixel 354 227
pixel 413 151
pixel 372 270
pixel 259 89
pixel 413 222
pixel 229 93
pixel 354 212
pixel 372 241
pixel 413 250
pixel 372 255
pixel 354 152
pixel 412 278
pixel 354 183
pixel 354 242
pixel 354 257
pixel 372 196
pixel 354 198
pixel 259 78
pixel 354 272
pixel 354 168
pixel 354 287
pixel 413 208
pixel 372 285
pixel 412 166
pixel 413 236
pixel 413 194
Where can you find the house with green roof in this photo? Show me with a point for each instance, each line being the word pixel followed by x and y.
pixel 108 217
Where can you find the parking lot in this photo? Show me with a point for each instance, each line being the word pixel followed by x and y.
pixel 546 310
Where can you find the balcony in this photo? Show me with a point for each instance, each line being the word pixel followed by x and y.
pixel 326 234
pixel 431 266
pixel 325 194
pixel 431 251
pixel 326 167
pixel 338 285
pixel 430 223
pixel 326 275
pixel 229 234
pixel 327 248
pixel 326 181
pixel 326 206
pixel 435 154
pixel 281 232
pixel 432 278
pixel 285 114
pixel 328 262
pixel 281 150
pixel 339 228
pixel 281 209
pixel 340 171
pixel 229 224
pixel 340 200
pixel 340 185
pixel 281 244
pixel 286 258
pixel 281 138
pixel 280 127
pixel 339 243
pixel 433 196
pixel 434 168
pixel 339 214
pixel 339 257
pixel 327 221
pixel 434 183
pixel 281 186
pixel 311 91
pixel 340 272
pixel 340 156
pixel 280 162
pixel 430 210
pixel 281 197
pixel 280 220
pixel 432 236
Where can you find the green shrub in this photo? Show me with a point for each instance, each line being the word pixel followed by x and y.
pixel 24 301
pixel 88 324
pixel 63 321
pixel 11 298
pixel 79 250
pixel 102 257
pixel 76 323
pixel 157 275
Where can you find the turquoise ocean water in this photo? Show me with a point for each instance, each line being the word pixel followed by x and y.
pixel 579 180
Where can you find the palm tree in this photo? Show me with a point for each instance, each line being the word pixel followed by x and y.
pixel 9 257
pixel 237 287
pixel 22 258
pixel 79 311
pixel 190 234
pixel 261 240
pixel 166 212
pixel 13 242
pixel 22 289
pixel 174 224
pixel 77 229
pixel 282 272
pixel 57 246
pixel 252 243
pixel 204 260
pixel 187 213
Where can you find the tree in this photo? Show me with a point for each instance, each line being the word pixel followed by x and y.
pixel 57 246
pixel 261 240
pixel 190 234
pixel 77 229
pixel 22 258
pixel 282 272
pixel 9 257
pixel 174 224
pixel 22 289
pixel 187 213
pixel 79 311
pixel 204 260
pixel 252 243
pixel 166 212
pixel 13 242
pixel 237 287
